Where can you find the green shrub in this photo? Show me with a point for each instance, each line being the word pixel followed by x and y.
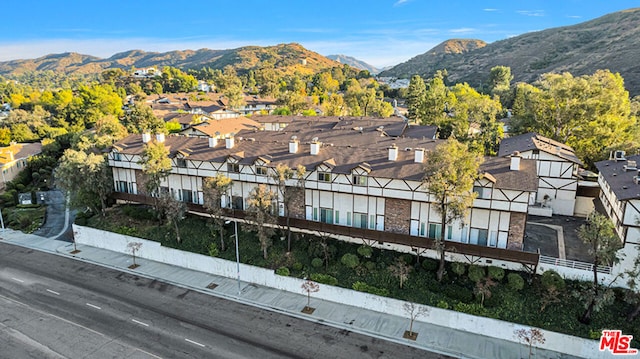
pixel 470 308
pixel 127 231
pixel 515 282
pixel 350 260
pixel 429 264
pixel 550 279
pixel 407 258
pixel 458 268
pixel 458 293
pixel 476 273
pixel 496 273
pixel 297 266
pixel 317 262
pixel 213 249
pixel 323 278
pixel 370 265
pixel 283 271
pixel 139 212
pixel 364 287
pixel 442 304
pixel 365 251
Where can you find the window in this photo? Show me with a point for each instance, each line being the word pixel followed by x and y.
pixel 479 236
pixel 237 202
pixel 181 162
pixel 360 220
pixel 372 221
pixel 187 196
pixel 435 230
pixel 482 192
pixel 337 215
pixel 326 215
pixel 359 180
pixel 449 232
pixel 116 156
pixel 233 167
pixel 324 176
pixel 423 227
pixel 261 170
pixel 348 219
pixel 315 214
pixel 121 186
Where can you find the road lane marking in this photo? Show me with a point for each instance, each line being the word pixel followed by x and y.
pixel 53 292
pixel 196 343
pixel 93 306
pixel 139 322
pixel 17 280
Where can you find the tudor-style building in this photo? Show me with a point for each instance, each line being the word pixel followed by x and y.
pixel 557 169
pixel 619 179
pixel 357 176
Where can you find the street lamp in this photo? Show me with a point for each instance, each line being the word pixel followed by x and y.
pixel 235 226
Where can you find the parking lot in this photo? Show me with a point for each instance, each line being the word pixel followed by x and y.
pixel 543 233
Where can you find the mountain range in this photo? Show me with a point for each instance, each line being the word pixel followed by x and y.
pixel 287 58
pixel 609 42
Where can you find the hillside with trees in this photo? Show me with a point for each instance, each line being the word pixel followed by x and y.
pixel 286 58
pixel 610 42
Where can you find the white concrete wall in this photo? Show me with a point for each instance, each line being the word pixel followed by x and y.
pixel 499 329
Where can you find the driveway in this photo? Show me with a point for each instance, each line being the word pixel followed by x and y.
pixel 55 218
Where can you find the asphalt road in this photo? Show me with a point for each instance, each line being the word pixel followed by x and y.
pixel 55 307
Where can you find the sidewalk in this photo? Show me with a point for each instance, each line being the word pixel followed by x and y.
pixel 379 325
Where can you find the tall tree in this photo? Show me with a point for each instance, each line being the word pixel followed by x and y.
pixel 450 171
pixel 439 102
pixel 156 167
pixel 171 210
pixel 591 113
pixel 213 189
pixel 500 84
pixel 599 234
pixel 260 215
pixel 282 176
pixel 86 178
pixel 139 118
pixel 416 99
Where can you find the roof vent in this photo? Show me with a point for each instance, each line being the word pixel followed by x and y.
pixel 636 179
pixel 393 152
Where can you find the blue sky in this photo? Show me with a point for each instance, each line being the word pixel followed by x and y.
pixel 381 33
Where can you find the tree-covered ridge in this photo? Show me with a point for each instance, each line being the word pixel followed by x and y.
pixel 286 58
pixel 609 42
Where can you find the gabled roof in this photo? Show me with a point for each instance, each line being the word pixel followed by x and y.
pixel 20 151
pixel 348 150
pixel 620 181
pixel 533 141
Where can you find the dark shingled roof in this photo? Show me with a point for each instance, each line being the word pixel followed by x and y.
pixel 620 181
pixel 533 141
pixel 347 148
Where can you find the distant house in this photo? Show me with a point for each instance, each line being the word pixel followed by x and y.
pixel 557 168
pixel 13 159
pixel 257 105
pixel 145 73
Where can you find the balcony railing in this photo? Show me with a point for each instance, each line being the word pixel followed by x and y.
pixel 382 237
pixel 574 264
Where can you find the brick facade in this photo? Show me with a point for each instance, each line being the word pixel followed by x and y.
pixel 297 205
pixel 516 231
pixel 397 215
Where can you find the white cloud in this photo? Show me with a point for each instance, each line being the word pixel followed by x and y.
pixel 489 9
pixel 535 13
pixel 400 2
pixel 463 30
pixel 574 16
